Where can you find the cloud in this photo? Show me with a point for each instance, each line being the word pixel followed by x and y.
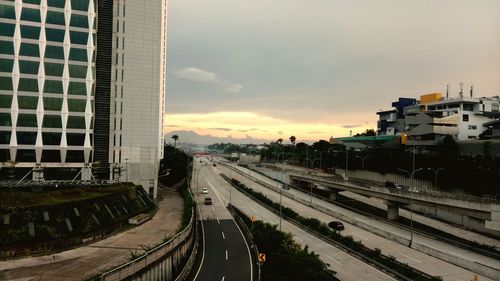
pixel 316 132
pixel 235 88
pixel 197 75
pixel 171 126
pixel 350 126
pixel 220 129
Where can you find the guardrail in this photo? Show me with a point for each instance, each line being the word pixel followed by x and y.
pixel 177 248
pixel 249 238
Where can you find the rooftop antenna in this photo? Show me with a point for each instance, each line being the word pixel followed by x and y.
pixel 461 90
pixel 447 91
pixel 471 90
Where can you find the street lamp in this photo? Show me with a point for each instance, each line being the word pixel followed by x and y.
pixel 436 172
pixel 346 162
pixel 127 168
pixel 281 193
pixel 363 161
pixel 411 199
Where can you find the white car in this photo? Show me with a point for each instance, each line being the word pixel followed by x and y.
pixel 204 190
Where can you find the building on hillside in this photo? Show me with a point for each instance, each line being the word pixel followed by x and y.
pixel 492 129
pixel 392 122
pixel 83 82
pixel 434 117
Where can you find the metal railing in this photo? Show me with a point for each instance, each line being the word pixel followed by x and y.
pixel 154 255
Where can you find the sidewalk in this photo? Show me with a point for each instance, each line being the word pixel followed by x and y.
pixel 90 260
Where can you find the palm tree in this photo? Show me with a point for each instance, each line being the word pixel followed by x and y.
pixel 292 140
pixel 279 141
pixel 175 138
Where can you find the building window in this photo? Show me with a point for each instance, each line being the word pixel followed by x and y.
pixel 5 137
pixel 74 156
pixel 30 50
pixel 52 103
pixel 30 32
pixel 6 47
pixel 26 137
pixel 75 139
pixel 472 127
pixel 54 52
pixel 52 86
pixel 51 156
pixel 28 67
pixel 52 121
pixel 78 54
pixel 30 15
pixel 465 117
pixel 51 138
pixel 5 101
pixel 76 105
pixel 79 21
pixel 7 12
pixel 55 18
pixel 77 71
pixel 81 5
pixel 76 88
pixel 28 85
pixel 5 119
pixel 5 83
pixel 6 65
pixel 7 29
pixel 76 122
pixel 495 107
pixel 78 37
pixel 26 120
pixel 27 102
pixel 25 155
pixel 472 137
pixel 56 3
pixel 55 35
pixel 54 69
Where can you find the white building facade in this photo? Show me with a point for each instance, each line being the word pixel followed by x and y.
pixel 82 82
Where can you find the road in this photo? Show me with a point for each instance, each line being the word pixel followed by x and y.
pixel 225 254
pixel 414 258
pixel 346 266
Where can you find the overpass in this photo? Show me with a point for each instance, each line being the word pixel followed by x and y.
pixel 474 207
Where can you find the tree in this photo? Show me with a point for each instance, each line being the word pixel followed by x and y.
pixel 175 138
pixel 292 139
pixel 366 133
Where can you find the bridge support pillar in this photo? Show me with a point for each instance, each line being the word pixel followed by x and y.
pixel 392 212
pixel 333 195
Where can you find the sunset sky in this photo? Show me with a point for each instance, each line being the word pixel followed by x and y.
pixel 319 68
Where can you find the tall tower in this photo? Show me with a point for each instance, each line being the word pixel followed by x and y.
pixel 83 81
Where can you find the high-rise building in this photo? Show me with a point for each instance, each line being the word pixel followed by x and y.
pixel 82 83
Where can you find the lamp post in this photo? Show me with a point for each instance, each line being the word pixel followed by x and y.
pixel 126 169
pixel 281 195
pixel 346 161
pixel 363 161
pixel 436 172
pixel 411 199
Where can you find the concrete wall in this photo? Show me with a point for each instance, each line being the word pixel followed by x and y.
pixel 382 178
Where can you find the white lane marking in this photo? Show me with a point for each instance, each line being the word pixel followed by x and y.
pixel 223 277
pixel 333 259
pixel 296 237
pixel 218 221
pixel 362 237
pixel 255 211
pixel 411 258
pixel 226 254
pixel 203 234
pixel 213 210
pixel 223 236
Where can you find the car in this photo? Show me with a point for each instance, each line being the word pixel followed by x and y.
pixel 214 165
pixel 390 184
pixel 336 225
pixel 208 201
pixel 286 186
pixel 204 190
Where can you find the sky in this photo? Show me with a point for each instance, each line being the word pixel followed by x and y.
pixel 269 69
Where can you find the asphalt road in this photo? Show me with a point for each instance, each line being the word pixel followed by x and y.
pixel 346 266
pixel 413 257
pixel 225 256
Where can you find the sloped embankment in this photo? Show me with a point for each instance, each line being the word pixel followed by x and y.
pixel 40 222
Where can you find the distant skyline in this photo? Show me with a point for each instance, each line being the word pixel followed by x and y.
pixel 314 69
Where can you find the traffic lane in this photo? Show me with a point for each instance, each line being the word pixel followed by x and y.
pixel 214 263
pixel 413 257
pixel 347 267
pixel 238 262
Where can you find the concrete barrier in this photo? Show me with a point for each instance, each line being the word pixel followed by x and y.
pixel 463 262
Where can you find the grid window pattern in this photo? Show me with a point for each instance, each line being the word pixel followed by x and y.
pixel 57 110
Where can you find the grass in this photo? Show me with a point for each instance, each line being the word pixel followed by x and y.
pixel 15 198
